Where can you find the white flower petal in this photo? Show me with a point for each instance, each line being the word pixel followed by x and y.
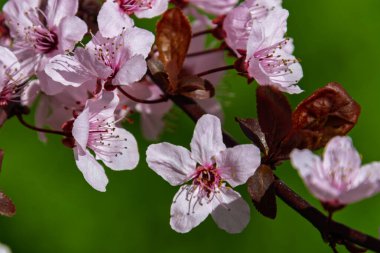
pixel 112 20
pixel 159 7
pixel 310 168
pixel 138 41
pixel 186 211
pixel 132 71
pixel 81 128
pixel 341 154
pixel 239 163
pixel 92 171
pixel 56 10
pixel 172 163
pixel 364 185
pixel 125 149
pixel 230 211
pixel 71 30
pixel 207 140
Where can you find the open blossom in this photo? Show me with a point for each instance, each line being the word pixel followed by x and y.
pixel 238 22
pixel 269 54
pixel 12 79
pixel 94 129
pixel 114 16
pixel 339 178
pixel 208 167
pixel 119 60
pixel 41 34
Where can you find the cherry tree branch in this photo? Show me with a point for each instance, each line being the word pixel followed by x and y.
pixel 338 231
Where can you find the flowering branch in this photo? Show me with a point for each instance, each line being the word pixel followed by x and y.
pixel 337 231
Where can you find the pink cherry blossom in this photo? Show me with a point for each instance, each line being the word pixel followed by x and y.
pixel 114 15
pixel 119 60
pixel 269 55
pixel 41 34
pixel 94 129
pixel 208 167
pixel 12 79
pixel 339 178
pixel 238 22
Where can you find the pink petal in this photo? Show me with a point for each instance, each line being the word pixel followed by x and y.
pixel 184 216
pixel 48 85
pixel 103 106
pixel 92 171
pixel 340 153
pixel 239 163
pixel 173 163
pixel 159 7
pixel 230 212
pixel 81 128
pixel 112 20
pixel 138 41
pixel 57 10
pixel 207 140
pixel 125 148
pixel 71 31
pixel 311 170
pixel 365 184
pixel 132 71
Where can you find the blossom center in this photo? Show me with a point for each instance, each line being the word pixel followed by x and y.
pixel 274 61
pixel 131 6
pixel 45 41
pixel 208 179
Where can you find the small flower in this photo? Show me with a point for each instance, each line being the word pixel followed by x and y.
pixel 114 15
pixel 339 178
pixel 239 21
pixel 41 34
pixel 94 129
pixel 119 60
pixel 208 167
pixel 269 54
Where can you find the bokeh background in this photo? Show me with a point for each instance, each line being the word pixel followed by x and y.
pixel 57 211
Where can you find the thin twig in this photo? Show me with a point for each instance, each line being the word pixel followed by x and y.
pixel 202 33
pixel 208 51
pixel 211 71
pixel 142 101
pixel 24 123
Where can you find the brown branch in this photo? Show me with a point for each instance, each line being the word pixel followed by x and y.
pixel 337 230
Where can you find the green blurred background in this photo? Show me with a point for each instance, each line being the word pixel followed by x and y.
pixel 57 211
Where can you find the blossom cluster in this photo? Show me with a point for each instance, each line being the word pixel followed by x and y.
pixel 86 84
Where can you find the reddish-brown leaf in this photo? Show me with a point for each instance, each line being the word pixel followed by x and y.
pixel 261 190
pixel 252 130
pixel 328 112
pixel 173 40
pixel 7 208
pixel 274 115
